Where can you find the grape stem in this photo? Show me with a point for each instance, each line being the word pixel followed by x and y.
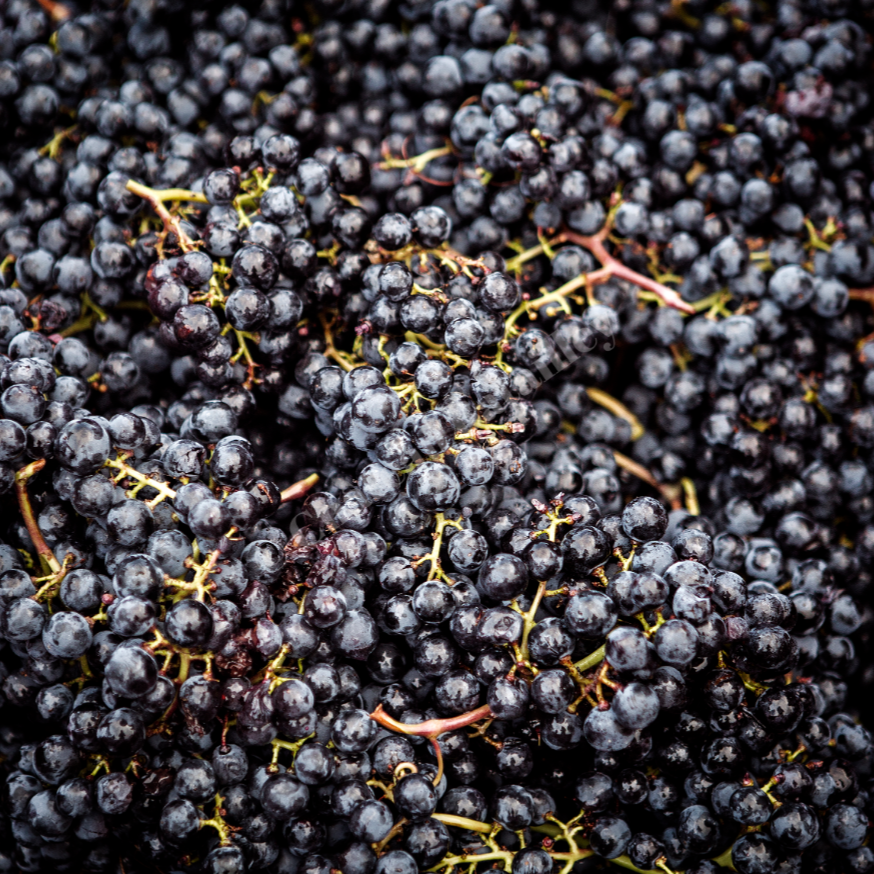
pixel 58 12
pixel 433 556
pixel 7 262
pixel 418 162
pixel 269 671
pixel 451 861
pixel 725 860
pixel 691 495
pixel 669 493
pixel 292 493
pixel 594 658
pixel 90 315
pixel 614 267
pixel 395 830
pixel 299 489
pixel 866 294
pixel 528 616
pixel 624 862
pixel 53 147
pixel 471 825
pixel 438 755
pixel 157 197
pixel 565 833
pixel 292 746
pixel 344 359
pixel 431 727
pixel 584 684
pixel 617 408
pixel 445 254
pixel 125 470
pixel 244 352
pixel 555 831
pixel 49 563
pixel 217 822
pixel 554 516
pixel 202 572
pixel 610 267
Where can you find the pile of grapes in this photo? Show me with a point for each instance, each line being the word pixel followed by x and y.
pixel 436 436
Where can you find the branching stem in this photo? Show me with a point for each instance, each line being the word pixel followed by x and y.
pixel 431 727
pixel 418 162
pixel 217 822
pixel 158 197
pixel 344 359
pixel 610 267
pixel 614 267
pixel 441 523
pixel 292 746
pixel 125 470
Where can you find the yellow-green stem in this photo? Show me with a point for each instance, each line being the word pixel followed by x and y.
pixel 528 618
pixel 120 464
pixel 472 825
pixel 617 408
pixel 218 823
pixel 591 660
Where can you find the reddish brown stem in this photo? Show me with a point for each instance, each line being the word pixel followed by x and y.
pixel 171 222
pixel 866 294
pixel 431 728
pixel 612 266
pixel 670 494
pixel 47 557
pixel 438 754
pixel 56 11
pixel 299 489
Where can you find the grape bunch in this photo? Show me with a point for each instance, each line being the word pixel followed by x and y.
pixel 436 437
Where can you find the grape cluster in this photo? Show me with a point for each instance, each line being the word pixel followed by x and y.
pixel 436 437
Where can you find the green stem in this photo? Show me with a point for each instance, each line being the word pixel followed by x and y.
pixel 528 618
pixel 574 856
pixel 549 829
pixel 451 861
pixel 725 859
pixel 617 408
pixel 471 825
pixel 165 194
pixel 218 823
pixel 591 660
pixel 668 492
pixel 434 572
pixel 418 162
pixel 625 862
pixel 292 746
pixel 164 491
pixel 157 198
